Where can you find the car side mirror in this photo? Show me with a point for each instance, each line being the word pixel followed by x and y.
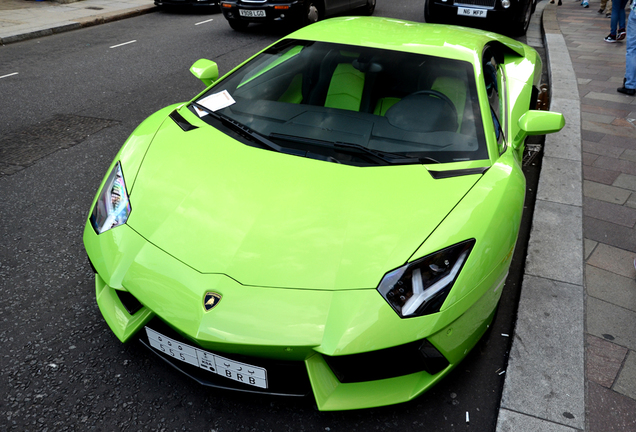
pixel 206 70
pixel 536 122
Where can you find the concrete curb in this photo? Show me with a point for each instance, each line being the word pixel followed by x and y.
pixel 545 380
pixel 79 23
pixel 115 16
pixel 39 33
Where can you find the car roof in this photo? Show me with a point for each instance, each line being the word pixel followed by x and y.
pixel 441 40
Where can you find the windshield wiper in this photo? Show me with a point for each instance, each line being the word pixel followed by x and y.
pixel 389 157
pixel 246 131
pixel 426 159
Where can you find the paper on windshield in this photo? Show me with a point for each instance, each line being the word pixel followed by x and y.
pixel 216 101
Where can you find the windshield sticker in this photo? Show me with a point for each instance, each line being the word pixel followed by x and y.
pixel 217 101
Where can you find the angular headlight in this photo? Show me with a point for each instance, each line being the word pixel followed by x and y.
pixel 113 206
pixel 420 287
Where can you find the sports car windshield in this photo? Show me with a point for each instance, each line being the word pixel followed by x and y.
pixel 351 104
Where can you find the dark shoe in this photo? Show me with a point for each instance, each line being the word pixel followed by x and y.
pixel 559 4
pixel 610 38
pixel 621 34
pixel 600 11
pixel 625 90
pixel 608 15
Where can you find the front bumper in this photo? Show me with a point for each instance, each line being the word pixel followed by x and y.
pixel 291 12
pixel 318 340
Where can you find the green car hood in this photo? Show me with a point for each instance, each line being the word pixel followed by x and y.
pixel 275 220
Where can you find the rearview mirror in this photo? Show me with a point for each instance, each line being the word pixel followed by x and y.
pixel 206 70
pixel 536 122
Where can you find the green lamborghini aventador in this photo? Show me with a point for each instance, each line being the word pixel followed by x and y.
pixel 336 216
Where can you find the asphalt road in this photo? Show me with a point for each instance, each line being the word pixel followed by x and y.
pixel 75 99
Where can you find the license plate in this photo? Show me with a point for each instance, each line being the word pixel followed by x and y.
pixel 477 13
pixel 237 371
pixel 259 13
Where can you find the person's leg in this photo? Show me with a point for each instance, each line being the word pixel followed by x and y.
pixel 616 4
pixel 621 17
pixel 630 53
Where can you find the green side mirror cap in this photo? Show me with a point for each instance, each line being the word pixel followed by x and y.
pixel 541 122
pixel 206 70
pixel 536 122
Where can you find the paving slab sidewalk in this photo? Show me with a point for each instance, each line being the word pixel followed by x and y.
pixel 28 19
pixel 608 150
pixel 573 361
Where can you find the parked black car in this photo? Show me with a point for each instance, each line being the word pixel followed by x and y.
pixel 188 3
pixel 502 16
pixel 239 13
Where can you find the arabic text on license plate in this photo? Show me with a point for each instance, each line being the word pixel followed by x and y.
pixel 241 372
pixel 477 13
pixel 259 13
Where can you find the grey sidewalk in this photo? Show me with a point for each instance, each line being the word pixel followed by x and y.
pixel 609 218
pixel 573 360
pixel 27 19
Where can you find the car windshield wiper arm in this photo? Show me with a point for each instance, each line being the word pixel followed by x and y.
pixel 386 157
pixel 376 154
pixel 326 144
pixel 244 130
pixel 426 159
pixel 389 157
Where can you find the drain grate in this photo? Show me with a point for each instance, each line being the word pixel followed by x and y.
pixel 24 147
pixel 530 153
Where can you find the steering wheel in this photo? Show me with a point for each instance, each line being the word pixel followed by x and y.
pixel 439 95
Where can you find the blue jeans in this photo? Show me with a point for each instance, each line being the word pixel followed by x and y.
pixel 618 16
pixel 630 52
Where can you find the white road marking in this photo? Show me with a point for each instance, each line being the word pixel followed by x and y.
pixel 203 22
pixel 125 43
pixel 8 75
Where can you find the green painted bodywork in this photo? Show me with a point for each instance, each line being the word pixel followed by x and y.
pixel 207 71
pixel 295 223
pixel 297 246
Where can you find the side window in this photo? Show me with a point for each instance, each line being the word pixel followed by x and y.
pixel 494 79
